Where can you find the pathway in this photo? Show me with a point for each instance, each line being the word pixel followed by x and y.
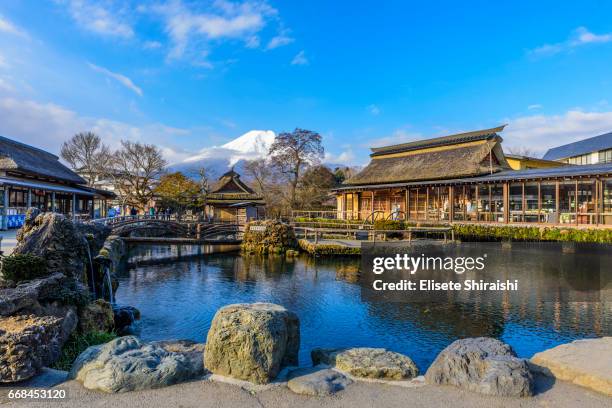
pixel 9 241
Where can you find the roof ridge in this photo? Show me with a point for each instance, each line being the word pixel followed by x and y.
pixel 437 141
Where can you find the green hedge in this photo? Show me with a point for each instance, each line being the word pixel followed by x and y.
pixel 507 232
pixel 23 267
pixel 334 221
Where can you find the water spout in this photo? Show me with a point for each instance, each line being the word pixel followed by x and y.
pixel 109 283
pixel 91 269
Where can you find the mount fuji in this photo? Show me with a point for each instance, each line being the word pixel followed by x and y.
pixel 217 160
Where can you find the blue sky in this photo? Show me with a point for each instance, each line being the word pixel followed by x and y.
pixel 191 75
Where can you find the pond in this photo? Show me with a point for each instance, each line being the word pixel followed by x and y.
pixel 179 298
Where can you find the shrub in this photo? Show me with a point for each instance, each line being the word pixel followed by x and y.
pixel 78 343
pixel 389 225
pixel 521 233
pixel 23 267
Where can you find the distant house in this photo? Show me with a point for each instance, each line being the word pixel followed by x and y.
pixel 231 200
pixel 520 162
pixel 31 177
pixel 594 150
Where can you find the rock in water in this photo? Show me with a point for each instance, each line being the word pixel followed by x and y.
pixel 484 365
pixel 96 316
pixel 252 341
pixel 587 363
pixel 368 362
pixel 127 364
pixel 317 381
pixel 29 342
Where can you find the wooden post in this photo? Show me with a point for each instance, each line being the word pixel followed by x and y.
pixel 426 203
pixel 539 200
pixel 29 199
pixel 451 203
pixel 5 207
pixel 506 201
pixel 557 202
pixel 576 202
pixel 53 208
pixel 597 196
pixel 406 205
pixel 523 201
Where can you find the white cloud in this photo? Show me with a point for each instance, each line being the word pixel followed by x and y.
pixel 280 40
pixel 579 37
pixel 299 59
pixel 122 79
pixel 7 27
pixel 104 18
pixel 397 137
pixel 346 157
pixel 3 63
pixel 224 20
pixel 47 125
pixel 151 45
pixel 374 110
pixel 534 106
pixel 541 132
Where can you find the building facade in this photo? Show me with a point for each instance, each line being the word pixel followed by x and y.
pixel 231 200
pixel 31 177
pixel 594 150
pixel 467 178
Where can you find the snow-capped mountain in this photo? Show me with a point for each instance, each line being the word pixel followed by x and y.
pixel 218 159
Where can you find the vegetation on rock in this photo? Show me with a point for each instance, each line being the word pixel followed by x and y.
pixel 77 343
pixel 268 237
pixel 23 267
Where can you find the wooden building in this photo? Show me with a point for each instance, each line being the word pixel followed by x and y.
pixel 31 177
pixel 231 200
pixel 467 178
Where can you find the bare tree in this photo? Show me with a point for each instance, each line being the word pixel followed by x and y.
pixel 522 151
pixel 260 171
pixel 87 155
pixel 137 168
pixel 205 176
pixel 292 152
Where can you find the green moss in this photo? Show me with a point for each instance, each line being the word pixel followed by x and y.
pixel 23 267
pixel 327 249
pixel 78 343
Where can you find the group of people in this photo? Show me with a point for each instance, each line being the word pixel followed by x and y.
pixel 165 213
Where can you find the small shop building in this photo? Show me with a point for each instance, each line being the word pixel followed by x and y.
pixel 232 200
pixel 467 177
pixel 32 177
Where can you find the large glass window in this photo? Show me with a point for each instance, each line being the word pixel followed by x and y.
pixel 605 156
pixel 516 202
pixel 18 201
pixel 548 199
pixel 38 199
pixel 586 202
pixel 532 212
pixel 567 202
pixel 484 203
pixel 444 203
pixel 433 203
pixel 606 214
pixel 582 159
pixel 470 203
pixel 459 203
pixel 497 202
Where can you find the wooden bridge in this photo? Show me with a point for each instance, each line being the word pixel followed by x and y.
pixel 161 228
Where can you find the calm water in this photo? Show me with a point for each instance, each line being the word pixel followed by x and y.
pixel 178 299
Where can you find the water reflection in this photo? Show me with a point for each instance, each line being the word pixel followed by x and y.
pixel 179 299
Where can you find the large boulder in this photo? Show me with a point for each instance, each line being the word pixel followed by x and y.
pixel 484 365
pixel 367 362
pixel 96 316
pixel 317 381
pixel 29 342
pixel 65 246
pixel 127 364
pixel 587 363
pixel 27 294
pixel 252 341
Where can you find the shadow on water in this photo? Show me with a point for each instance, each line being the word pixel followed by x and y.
pixel 178 299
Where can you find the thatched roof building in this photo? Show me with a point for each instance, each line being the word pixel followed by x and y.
pixel 460 155
pixel 233 200
pixel 32 177
pixel 28 160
